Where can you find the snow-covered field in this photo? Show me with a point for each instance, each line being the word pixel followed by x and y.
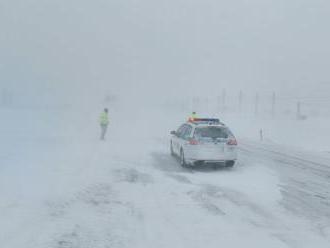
pixel 61 187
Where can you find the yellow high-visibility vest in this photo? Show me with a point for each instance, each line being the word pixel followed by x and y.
pixel 104 119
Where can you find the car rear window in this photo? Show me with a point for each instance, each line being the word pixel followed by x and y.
pixel 212 132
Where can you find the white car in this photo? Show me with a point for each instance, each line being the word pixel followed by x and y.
pixel 204 141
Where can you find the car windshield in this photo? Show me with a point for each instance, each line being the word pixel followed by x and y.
pixel 212 132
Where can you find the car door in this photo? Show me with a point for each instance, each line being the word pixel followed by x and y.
pixel 184 137
pixel 176 140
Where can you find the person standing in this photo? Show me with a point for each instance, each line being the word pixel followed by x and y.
pixel 104 122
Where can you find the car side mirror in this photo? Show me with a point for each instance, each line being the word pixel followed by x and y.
pixel 173 132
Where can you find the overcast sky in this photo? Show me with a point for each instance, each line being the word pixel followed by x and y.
pixel 165 47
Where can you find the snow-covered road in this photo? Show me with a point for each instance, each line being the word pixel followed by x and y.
pixel 69 190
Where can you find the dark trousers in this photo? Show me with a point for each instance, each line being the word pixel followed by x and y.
pixel 103 131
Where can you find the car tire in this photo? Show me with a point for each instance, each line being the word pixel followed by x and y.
pixel 230 163
pixel 182 159
pixel 171 150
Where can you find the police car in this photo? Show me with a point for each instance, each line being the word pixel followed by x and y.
pixel 204 141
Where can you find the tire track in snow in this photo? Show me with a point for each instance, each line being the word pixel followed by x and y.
pixel 304 184
pixel 225 201
pixel 320 169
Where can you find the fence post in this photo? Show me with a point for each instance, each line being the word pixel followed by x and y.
pixel 298 110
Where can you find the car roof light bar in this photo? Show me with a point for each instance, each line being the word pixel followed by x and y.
pixel 205 120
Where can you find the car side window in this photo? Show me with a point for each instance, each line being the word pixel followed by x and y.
pixel 180 131
pixel 187 132
pixel 182 135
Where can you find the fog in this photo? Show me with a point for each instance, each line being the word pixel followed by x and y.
pixel 72 175
pixel 146 48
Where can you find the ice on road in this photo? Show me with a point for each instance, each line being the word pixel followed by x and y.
pixel 70 190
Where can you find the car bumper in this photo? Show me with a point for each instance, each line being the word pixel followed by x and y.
pixel 193 155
